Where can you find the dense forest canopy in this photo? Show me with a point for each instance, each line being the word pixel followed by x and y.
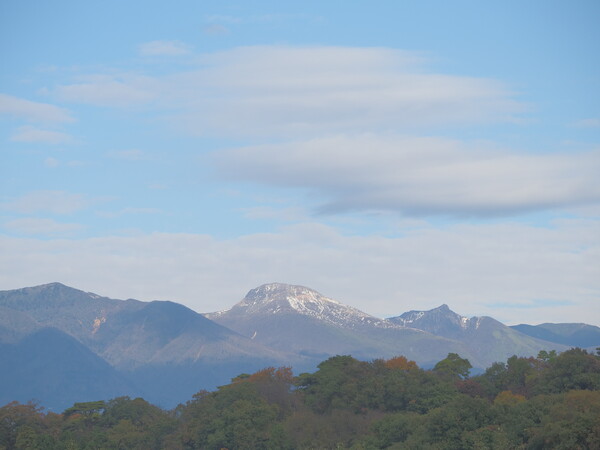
pixel 552 401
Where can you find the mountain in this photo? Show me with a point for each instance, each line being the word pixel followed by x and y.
pixel 300 320
pixel 571 334
pixel 54 368
pixel 59 344
pixel 146 342
pixel 486 338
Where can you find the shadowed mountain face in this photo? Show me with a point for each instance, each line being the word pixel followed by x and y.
pixel 571 334
pixel 53 367
pixel 301 320
pixel 485 337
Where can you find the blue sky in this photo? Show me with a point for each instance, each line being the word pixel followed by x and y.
pixel 393 156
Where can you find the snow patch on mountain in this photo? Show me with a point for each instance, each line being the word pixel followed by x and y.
pixel 279 298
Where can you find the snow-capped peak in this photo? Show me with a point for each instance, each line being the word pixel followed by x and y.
pixel 298 297
pixel 279 298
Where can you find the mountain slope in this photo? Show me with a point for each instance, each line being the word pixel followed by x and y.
pixel 571 334
pixel 52 367
pixel 485 337
pixel 299 319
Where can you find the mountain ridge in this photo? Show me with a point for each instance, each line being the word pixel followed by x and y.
pixel 168 351
pixel 299 318
pixel 485 337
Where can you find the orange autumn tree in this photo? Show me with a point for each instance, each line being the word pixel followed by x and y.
pixel 400 363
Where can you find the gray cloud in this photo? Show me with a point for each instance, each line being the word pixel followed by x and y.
pixel 419 176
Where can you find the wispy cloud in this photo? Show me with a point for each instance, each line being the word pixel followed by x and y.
pixel 127 211
pixel 41 226
pixel 54 202
pixel 51 162
pixel 33 111
pixel 164 48
pixel 128 155
pixel 109 90
pixel 223 18
pixel 588 123
pixel 260 18
pixel 29 133
pixel 215 29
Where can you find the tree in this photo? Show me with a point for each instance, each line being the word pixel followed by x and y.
pixel 570 423
pixel 87 409
pixel 400 363
pixel 15 416
pixel 573 369
pixel 545 356
pixel 453 366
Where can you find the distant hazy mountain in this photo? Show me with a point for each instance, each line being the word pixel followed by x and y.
pixel 571 334
pixel 486 338
pixel 299 319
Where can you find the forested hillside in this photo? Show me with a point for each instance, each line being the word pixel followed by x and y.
pixel 552 401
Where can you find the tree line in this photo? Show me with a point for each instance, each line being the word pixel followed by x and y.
pixel 551 401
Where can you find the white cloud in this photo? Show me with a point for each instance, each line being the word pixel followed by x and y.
pixel 54 202
pixel 488 269
pixel 588 123
pixel 290 91
pixel 164 48
pixel 419 176
pixel 32 111
pixel 293 91
pixel 51 162
pixel 29 133
pixel 215 30
pixel 40 226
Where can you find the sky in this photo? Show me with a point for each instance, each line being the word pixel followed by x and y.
pixel 391 155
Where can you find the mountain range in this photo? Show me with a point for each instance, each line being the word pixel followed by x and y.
pixel 59 345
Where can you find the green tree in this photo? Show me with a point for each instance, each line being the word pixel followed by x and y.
pixel 453 366
pixel 571 423
pixel 87 409
pixel 16 416
pixel 572 369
